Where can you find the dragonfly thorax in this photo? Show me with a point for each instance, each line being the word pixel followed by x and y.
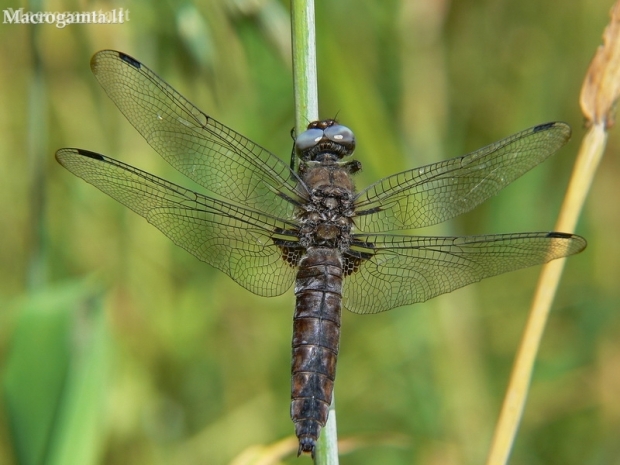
pixel 327 218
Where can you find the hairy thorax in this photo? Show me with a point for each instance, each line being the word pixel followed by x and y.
pixel 327 218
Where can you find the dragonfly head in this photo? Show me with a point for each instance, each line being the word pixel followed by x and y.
pixel 325 140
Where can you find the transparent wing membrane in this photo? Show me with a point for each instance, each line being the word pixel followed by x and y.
pixel 404 270
pixel 235 240
pixel 435 193
pixel 213 155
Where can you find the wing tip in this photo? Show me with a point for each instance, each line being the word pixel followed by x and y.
pixel 543 127
pixel 554 124
pixel 130 60
pixel 97 57
pixel 60 154
pixel 559 235
pixel 575 245
pixel 89 154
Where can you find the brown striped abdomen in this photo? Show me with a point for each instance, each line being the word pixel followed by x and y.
pixel 316 334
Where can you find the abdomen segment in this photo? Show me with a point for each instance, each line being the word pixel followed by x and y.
pixel 316 335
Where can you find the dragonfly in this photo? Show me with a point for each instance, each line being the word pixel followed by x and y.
pixel 269 226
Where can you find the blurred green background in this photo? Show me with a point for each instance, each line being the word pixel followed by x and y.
pixel 116 347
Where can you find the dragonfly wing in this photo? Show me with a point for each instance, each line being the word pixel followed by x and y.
pixel 435 193
pixel 238 241
pixel 402 270
pixel 213 155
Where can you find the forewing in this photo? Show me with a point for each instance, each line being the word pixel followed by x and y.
pixel 213 155
pixel 435 193
pixel 235 240
pixel 405 270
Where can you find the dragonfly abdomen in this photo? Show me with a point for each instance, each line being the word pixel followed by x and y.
pixel 316 335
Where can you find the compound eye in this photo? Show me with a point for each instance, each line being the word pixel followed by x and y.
pixel 341 135
pixel 308 139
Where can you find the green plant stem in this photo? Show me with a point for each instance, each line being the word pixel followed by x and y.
pixel 306 110
pixel 304 63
